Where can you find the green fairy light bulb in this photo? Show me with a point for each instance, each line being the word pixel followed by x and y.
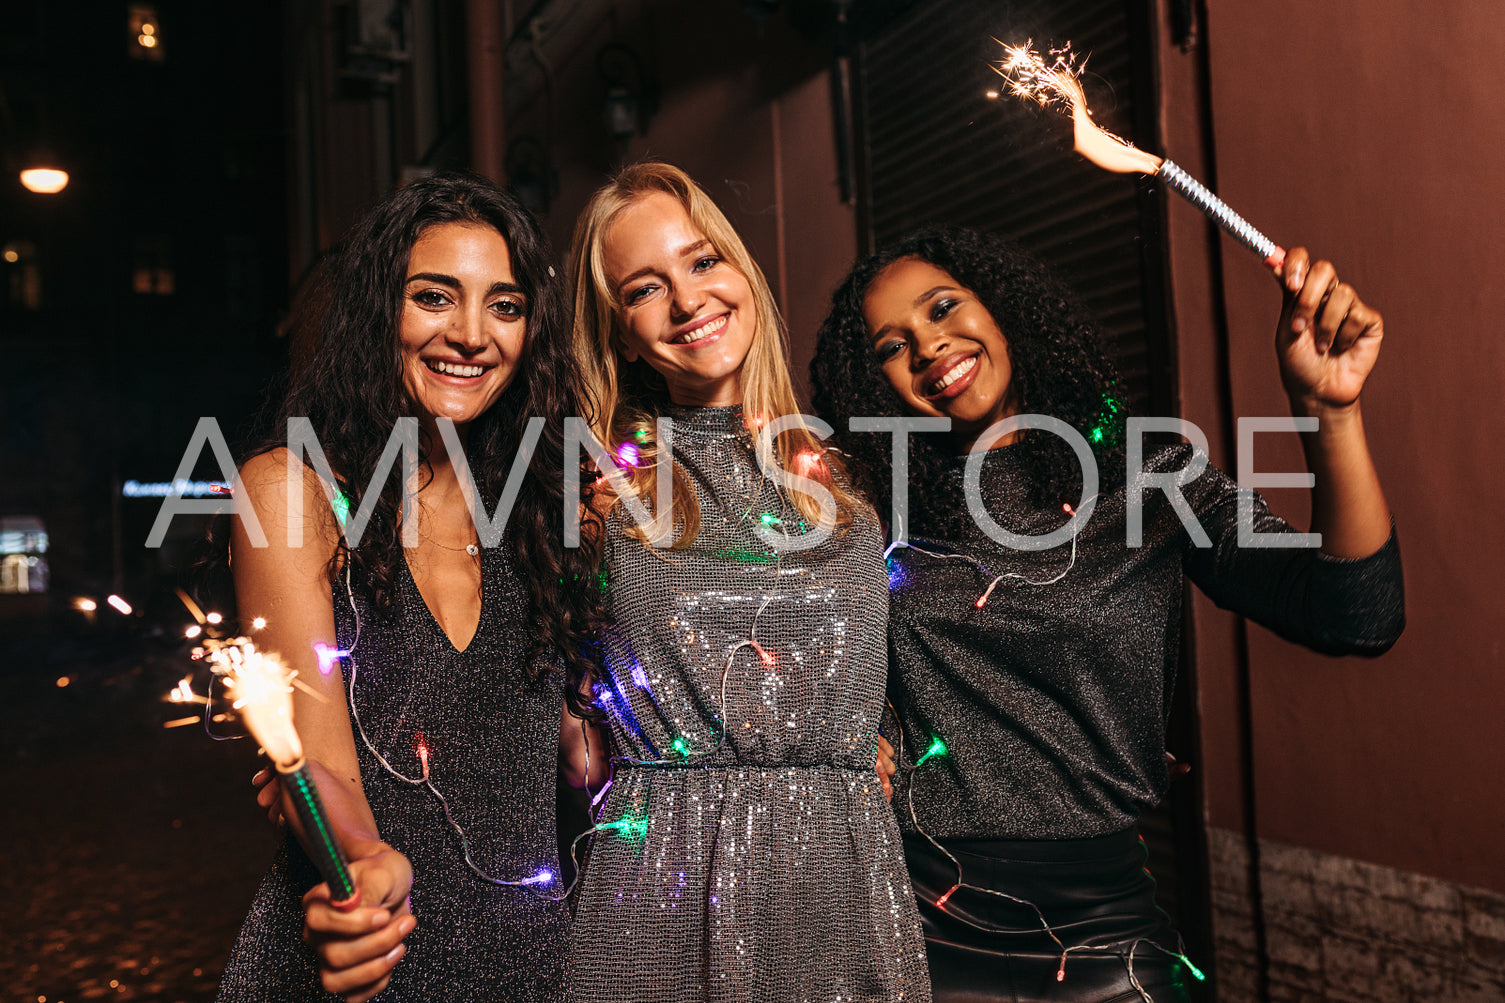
pixel 1110 422
pixel 629 827
pixel 342 508
pixel 937 748
pixel 682 747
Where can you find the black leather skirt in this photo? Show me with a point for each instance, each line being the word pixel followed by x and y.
pixel 984 948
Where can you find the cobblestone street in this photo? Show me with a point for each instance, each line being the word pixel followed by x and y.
pixel 131 851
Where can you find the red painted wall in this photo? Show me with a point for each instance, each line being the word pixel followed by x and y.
pixel 1372 132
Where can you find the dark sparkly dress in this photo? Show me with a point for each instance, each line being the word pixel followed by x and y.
pixel 754 857
pixel 1051 702
pixel 493 737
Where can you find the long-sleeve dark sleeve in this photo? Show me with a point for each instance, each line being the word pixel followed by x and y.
pixel 1335 605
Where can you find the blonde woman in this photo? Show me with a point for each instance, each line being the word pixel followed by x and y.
pixel 746 849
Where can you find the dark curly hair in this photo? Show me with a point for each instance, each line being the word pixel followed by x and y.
pixel 351 389
pixel 1059 369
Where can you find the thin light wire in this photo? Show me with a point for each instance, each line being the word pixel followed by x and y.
pixel 544 876
pixel 961 882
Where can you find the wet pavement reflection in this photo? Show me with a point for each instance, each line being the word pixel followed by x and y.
pixel 131 851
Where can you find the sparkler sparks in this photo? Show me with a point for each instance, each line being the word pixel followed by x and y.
pixel 261 688
pixel 261 685
pixel 1055 80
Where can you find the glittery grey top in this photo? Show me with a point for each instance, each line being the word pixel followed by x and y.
pixel 757 858
pixel 1051 700
pixel 493 740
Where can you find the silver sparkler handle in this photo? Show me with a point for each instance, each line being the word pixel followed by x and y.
pixel 1220 212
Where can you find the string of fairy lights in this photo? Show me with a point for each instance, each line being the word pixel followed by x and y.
pixel 611 701
pixel 606 697
pixel 937 748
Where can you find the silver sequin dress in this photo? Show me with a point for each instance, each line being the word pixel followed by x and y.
pixel 766 864
pixel 493 736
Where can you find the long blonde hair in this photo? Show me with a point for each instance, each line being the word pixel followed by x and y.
pixel 625 405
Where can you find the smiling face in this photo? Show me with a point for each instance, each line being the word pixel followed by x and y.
pixel 463 322
pixel 680 306
pixel 939 347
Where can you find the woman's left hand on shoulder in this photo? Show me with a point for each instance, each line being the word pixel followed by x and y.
pixel 1328 339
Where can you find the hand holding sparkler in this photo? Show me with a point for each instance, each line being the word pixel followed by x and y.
pixel 358 918
pixel 358 948
pixel 1327 339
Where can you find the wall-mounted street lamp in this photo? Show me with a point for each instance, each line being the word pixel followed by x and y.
pixel 44 180
pixel 631 93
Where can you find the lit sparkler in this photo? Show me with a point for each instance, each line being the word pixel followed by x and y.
pixel 1055 80
pixel 261 688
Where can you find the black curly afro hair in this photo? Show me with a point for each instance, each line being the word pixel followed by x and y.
pixel 1059 369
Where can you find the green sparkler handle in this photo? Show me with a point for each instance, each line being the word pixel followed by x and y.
pixel 322 846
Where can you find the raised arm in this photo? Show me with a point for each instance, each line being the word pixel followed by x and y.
pixel 287 583
pixel 1327 342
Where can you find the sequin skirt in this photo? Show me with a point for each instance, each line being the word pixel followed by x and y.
pixel 985 949
pixel 746 883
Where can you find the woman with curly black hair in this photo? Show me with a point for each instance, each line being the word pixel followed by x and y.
pixel 444 340
pixel 1034 628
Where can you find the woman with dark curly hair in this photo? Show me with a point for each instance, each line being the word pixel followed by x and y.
pixel 1034 630
pixel 445 339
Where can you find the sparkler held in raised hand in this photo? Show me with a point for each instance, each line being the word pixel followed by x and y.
pixel 1056 80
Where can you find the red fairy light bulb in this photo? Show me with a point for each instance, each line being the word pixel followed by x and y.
pixel 422 746
pixel 809 463
pixel 940 903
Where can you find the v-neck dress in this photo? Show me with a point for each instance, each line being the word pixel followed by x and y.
pixel 492 735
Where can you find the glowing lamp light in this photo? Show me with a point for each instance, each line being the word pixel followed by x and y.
pixel 84 605
pixel 628 454
pixel 682 747
pixel 768 660
pixel 258 623
pixel 193 631
pixel 768 519
pixel 641 435
pixel 213 617
pixel 12 256
pixel 543 877
pixel 639 677
pixel 940 903
pixel 1195 971
pixel 146 40
pixel 123 607
pixel 937 748
pixel 44 180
